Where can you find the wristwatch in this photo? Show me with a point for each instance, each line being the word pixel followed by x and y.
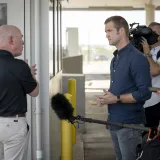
pixel 148 55
pixel 118 99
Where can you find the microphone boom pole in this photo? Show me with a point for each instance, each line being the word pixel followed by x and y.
pixel 132 126
pixel 64 110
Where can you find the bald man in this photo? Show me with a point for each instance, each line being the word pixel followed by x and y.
pixel 17 80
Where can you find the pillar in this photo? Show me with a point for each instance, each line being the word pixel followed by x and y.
pixel 150 13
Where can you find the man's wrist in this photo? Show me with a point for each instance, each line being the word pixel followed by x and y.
pixel 119 99
pixel 147 55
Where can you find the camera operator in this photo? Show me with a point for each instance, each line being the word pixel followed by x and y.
pixel 152 52
pixel 155 27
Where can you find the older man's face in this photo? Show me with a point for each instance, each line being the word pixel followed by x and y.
pixel 18 43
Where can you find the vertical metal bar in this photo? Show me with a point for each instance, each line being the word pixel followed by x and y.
pixel 38 111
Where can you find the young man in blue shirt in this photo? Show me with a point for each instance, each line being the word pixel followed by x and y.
pixel 130 79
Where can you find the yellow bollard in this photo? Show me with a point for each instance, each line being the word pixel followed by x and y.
pixel 66 137
pixel 72 91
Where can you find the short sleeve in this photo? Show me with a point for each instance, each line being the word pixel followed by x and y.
pixel 26 79
pixel 158 56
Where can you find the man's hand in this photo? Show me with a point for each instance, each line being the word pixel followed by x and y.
pixel 158 93
pixel 99 104
pixel 145 45
pixel 32 67
pixel 107 98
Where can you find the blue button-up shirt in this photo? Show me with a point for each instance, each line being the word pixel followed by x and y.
pixel 130 73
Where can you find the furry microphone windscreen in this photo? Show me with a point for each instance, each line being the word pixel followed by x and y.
pixel 62 107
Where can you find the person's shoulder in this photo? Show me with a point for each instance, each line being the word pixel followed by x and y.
pixel 135 53
pixel 135 50
pixel 155 50
pixel 21 63
pixel 137 57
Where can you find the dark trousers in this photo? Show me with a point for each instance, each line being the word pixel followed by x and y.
pixel 152 115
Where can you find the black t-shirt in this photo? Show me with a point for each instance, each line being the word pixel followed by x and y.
pixel 15 82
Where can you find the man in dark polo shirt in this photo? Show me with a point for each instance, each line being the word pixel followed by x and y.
pixel 17 80
pixel 130 79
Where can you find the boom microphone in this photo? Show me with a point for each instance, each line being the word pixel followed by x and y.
pixel 62 107
pixel 64 111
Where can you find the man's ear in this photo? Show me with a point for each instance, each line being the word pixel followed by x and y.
pixel 10 40
pixel 121 30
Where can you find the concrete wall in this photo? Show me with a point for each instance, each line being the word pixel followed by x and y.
pixel 72 41
pixel 80 94
pixel 75 64
pixel 55 86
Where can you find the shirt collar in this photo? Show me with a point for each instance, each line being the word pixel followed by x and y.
pixel 122 49
pixel 115 53
pixel 6 53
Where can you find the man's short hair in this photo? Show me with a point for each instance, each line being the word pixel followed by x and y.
pixel 118 23
pixel 152 24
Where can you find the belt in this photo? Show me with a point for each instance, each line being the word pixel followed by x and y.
pixel 20 115
pixel 17 115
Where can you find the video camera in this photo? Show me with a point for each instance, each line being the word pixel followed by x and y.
pixel 140 31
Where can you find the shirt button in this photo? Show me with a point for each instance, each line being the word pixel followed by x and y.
pixel 112 81
pixel 114 70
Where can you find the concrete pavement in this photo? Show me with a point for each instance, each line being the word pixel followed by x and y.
pixel 95 143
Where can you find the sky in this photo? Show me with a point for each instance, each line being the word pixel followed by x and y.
pixel 90 24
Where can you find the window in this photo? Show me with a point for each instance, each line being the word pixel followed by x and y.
pixel 3 14
pixel 55 37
